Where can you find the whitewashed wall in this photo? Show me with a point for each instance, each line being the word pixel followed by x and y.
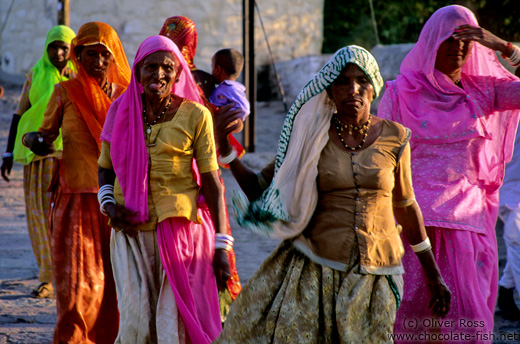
pixel 294 27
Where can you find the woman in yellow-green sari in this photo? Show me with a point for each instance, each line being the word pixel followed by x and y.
pixel 53 67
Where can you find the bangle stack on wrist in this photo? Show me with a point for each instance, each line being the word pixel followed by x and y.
pixel 228 158
pixel 223 241
pixel 7 155
pixel 422 246
pixel 105 196
pixel 514 59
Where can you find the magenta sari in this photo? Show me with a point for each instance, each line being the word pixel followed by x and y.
pixel 461 140
pixel 186 248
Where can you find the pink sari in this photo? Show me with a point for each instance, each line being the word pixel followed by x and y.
pixel 186 248
pixel 461 140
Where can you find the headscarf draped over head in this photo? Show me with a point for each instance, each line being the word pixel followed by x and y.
pixel 287 205
pixel 44 76
pixel 428 99
pixel 182 31
pixel 124 127
pixel 90 101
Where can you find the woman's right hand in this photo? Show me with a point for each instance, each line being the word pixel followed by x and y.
pixel 225 122
pixel 120 217
pixel 39 143
pixel 7 166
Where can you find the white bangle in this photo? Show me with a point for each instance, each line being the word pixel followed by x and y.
pixel 422 246
pixel 224 241
pixel 228 158
pixel 514 59
pixel 102 206
pixel 223 246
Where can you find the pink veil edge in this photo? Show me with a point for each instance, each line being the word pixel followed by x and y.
pixel 123 127
pixel 418 77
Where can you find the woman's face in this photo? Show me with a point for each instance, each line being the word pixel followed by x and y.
pixel 452 55
pixel 59 53
pixel 158 73
pixel 96 59
pixel 352 91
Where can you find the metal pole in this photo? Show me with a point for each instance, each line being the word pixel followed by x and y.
pixel 248 138
pixel 64 12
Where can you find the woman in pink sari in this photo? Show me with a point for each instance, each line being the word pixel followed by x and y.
pixel 158 153
pixel 462 107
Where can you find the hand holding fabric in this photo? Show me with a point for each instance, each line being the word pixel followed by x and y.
pixel 120 217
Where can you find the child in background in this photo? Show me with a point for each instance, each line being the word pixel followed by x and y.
pixel 226 66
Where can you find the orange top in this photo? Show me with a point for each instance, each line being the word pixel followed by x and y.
pixel 77 170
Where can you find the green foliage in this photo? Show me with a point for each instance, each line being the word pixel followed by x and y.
pixel 401 21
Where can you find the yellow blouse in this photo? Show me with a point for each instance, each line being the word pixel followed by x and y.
pixel 172 191
pixel 357 193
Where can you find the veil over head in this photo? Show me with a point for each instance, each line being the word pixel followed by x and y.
pixel 287 205
pixel 182 31
pixel 431 105
pixel 124 126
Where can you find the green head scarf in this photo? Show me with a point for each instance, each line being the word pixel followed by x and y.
pixel 282 211
pixel 44 76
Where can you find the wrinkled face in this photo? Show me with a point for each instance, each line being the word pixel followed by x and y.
pixel 352 91
pixel 59 53
pixel 452 55
pixel 158 73
pixel 96 59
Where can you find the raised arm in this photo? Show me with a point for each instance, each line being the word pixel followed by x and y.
pixel 247 179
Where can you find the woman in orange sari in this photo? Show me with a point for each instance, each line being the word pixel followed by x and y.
pixel 80 237
pixel 183 33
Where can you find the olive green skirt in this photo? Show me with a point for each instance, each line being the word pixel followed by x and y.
pixel 291 299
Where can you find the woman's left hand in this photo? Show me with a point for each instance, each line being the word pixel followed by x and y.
pixel 440 301
pixel 480 35
pixel 39 143
pixel 221 268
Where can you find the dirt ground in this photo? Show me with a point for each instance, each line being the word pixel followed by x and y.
pixel 27 320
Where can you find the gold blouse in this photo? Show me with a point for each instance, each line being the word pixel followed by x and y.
pixel 357 193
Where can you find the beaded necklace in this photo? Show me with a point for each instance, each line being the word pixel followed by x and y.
pixel 340 126
pixel 149 129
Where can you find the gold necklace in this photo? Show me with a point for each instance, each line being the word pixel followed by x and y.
pixel 362 129
pixel 340 126
pixel 105 88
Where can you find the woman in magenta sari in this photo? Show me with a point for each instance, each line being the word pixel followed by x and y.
pixel 158 153
pixel 462 107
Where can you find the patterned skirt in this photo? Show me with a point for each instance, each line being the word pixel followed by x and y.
pixel 36 180
pixel 291 299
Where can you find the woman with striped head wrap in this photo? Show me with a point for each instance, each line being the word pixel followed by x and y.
pixel 339 178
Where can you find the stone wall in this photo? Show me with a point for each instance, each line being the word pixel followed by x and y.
pixel 294 74
pixel 294 28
